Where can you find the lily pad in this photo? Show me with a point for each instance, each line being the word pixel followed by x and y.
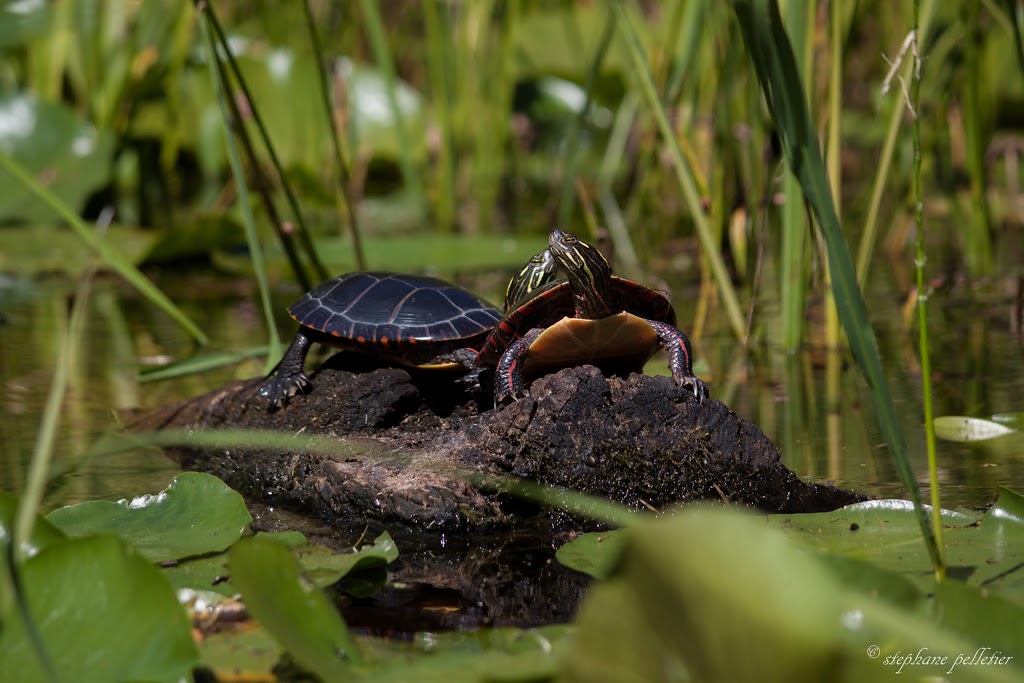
pixel 293 610
pixel 988 554
pixel 502 654
pixel 693 588
pixel 324 567
pixel 196 514
pixel 103 613
pixel 67 154
pixel 22 22
pixel 593 553
pixel 969 429
pixel 43 532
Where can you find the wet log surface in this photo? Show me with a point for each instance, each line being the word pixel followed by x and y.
pixel 410 438
pixel 638 440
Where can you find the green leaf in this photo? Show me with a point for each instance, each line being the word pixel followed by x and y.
pixel 53 143
pixel 43 532
pixel 104 614
pixel 594 553
pixel 297 613
pixel 967 429
pixel 23 22
pixel 321 565
pixel 693 588
pixel 233 654
pixel 985 554
pixel 196 514
pixel 493 655
pixel 324 567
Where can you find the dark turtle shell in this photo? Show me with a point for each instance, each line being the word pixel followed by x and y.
pixel 554 301
pixel 390 312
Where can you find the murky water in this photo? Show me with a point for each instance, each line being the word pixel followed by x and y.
pixel 978 367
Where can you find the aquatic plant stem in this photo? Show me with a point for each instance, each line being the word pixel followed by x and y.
pixel 869 232
pixel 251 237
pixel 262 187
pixel 302 231
pixel 922 308
pixel 344 177
pixel 683 174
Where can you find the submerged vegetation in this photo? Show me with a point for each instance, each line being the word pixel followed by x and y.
pixel 774 142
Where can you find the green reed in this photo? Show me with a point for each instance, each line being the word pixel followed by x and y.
pixel 777 71
pixel 251 236
pixel 922 303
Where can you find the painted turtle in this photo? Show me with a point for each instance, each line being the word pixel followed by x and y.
pixel 410 320
pixel 538 271
pixel 592 317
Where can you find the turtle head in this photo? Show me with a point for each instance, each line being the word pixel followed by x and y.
pixel 588 271
pixel 538 271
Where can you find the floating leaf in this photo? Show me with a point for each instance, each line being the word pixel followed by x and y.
pixel 297 613
pixel 493 655
pixel 104 614
pixel 43 533
pixel 967 429
pixel 594 553
pixel 324 567
pixel 984 554
pixel 196 514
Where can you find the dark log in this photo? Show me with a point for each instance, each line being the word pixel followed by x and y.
pixel 638 440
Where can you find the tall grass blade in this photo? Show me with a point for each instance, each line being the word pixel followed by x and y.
pixel 684 174
pixel 922 310
pixel 976 117
pixel 440 66
pixel 344 177
pixel 251 237
pixel 775 65
pixel 111 257
pixel 793 261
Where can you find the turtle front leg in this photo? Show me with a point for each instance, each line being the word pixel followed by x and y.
pixel 680 356
pixel 288 379
pixel 509 384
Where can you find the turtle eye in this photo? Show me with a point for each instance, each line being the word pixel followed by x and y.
pixel 570 238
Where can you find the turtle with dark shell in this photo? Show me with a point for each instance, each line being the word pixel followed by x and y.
pixel 592 317
pixel 410 320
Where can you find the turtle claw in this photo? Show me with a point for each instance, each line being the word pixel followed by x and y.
pixel 281 388
pixel 698 387
pixel 504 396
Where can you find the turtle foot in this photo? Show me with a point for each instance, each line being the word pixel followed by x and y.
pixel 281 388
pixel 506 396
pixel 698 387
